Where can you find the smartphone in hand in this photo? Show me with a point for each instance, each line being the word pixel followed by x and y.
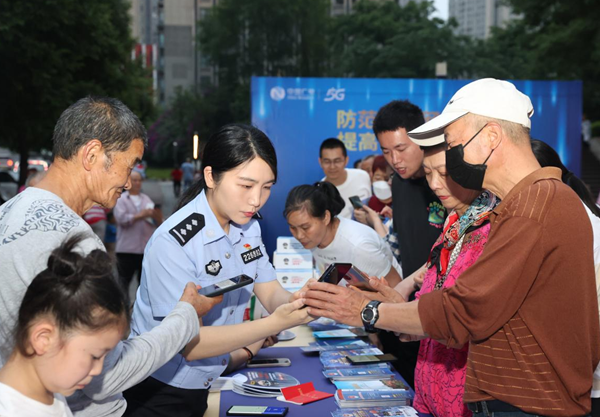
pixel 225 286
pixel 355 201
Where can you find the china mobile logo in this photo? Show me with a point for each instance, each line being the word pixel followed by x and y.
pixel 335 94
pixel 277 93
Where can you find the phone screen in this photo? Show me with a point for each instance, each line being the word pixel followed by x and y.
pixel 335 272
pixel 225 286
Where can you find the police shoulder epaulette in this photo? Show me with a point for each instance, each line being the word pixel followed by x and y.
pixel 257 216
pixel 188 228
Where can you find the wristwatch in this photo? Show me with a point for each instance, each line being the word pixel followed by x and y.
pixel 370 315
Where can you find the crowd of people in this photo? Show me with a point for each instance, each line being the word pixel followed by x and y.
pixel 482 247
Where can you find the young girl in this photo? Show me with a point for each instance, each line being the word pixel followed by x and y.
pixel 72 314
pixel 213 236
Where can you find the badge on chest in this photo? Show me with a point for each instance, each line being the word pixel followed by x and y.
pixel 213 267
pixel 252 254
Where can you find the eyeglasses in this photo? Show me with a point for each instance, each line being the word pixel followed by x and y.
pixel 329 162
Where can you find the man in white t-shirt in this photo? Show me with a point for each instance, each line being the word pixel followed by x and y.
pixel 333 158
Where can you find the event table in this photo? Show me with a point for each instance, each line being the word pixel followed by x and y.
pixel 303 338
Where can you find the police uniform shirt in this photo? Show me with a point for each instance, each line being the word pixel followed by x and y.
pixel 192 246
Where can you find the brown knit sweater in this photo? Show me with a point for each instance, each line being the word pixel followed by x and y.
pixel 528 306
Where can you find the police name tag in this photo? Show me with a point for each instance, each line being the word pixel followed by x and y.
pixel 252 255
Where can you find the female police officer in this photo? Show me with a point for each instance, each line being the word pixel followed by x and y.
pixel 212 237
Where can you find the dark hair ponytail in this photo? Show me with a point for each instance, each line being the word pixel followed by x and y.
pixel 77 292
pixel 547 156
pixel 316 199
pixel 228 148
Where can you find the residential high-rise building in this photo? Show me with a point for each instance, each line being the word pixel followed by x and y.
pixel 476 17
pixel 170 29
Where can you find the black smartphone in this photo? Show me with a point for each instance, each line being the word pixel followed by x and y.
pixel 268 362
pixel 225 286
pixel 355 201
pixel 366 359
pixel 256 410
pixel 335 272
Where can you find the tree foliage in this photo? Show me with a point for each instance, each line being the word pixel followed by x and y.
pixel 55 52
pixel 552 39
pixel 382 39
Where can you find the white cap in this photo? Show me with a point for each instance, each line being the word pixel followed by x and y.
pixel 382 190
pixel 487 97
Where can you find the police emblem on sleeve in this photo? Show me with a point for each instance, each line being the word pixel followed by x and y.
pixel 252 255
pixel 188 228
pixel 213 267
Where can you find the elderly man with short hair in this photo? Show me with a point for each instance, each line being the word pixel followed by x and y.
pixel 527 307
pixel 97 142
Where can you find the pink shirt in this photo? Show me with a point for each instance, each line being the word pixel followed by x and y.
pixel 132 236
pixel 441 371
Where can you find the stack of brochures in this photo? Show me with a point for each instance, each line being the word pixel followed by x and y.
pixel 262 384
pixel 361 398
pixel 358 373
pixel 322 345
pixel 337 358
pixel 402 411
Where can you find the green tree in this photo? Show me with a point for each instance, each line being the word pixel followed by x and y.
pixel 263 37
pixel 554 39
pixel 55 52
pixel 382 39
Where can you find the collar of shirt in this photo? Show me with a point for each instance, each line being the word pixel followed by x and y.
pixel 212 230
pixel 535 176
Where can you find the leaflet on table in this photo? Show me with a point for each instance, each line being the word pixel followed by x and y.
pixel 356 373
pixel 355 332
pixel 380 384
pixel 369 398
pixel 402 411
pixel 323 345
pixel 337 358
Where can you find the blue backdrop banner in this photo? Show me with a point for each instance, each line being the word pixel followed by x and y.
pixel 299 113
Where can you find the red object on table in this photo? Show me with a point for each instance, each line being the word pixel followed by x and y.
pixel 303 394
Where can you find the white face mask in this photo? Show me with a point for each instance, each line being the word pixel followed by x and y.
pixel 382 190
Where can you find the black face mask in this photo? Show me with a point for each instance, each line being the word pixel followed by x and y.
pixel 463 173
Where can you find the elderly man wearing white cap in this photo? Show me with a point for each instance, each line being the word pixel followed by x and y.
pixel 527 307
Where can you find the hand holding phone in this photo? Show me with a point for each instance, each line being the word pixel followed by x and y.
pixel 225 286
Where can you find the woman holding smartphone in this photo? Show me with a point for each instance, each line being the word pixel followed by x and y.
pixel 312 214
pixel 213 236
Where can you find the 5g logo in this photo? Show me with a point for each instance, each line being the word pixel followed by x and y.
pixel 335 94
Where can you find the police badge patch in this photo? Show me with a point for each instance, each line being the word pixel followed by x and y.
pixel 252 255
pixel 213 267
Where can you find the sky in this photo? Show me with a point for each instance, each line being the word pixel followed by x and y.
pixel 442 9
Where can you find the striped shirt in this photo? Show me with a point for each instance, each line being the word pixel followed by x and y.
pixel 528 306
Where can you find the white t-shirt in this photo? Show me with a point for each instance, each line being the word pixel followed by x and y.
pixel 15 404
pixel 357 183
pixel 359 245
pixel 596 232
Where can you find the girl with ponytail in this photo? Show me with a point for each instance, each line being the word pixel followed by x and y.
pixel 312 214
pixel 73 313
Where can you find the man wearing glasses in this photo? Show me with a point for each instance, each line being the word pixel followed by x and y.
pixel 333 158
